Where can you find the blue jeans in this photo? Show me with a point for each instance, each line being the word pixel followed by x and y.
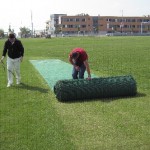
pixel 81 72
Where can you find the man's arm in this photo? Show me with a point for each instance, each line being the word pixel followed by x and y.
pixel 87 68
pixel 4 52
pixel 21 50
pixel 70 60
pixel 2 58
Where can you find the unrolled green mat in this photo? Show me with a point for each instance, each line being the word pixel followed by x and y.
pixel 106 87
pixel 53 70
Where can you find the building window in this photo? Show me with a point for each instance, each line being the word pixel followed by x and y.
pixel 119 20
pixel 139 20
pixel 112 20
pixel 83 26
pixel 138 26
pixel 128 20
pixel 70 26
pixel 133 20
pixel 83 19
pixel 95 21
pixel 125 26
pixel 75 26
pixel 77 19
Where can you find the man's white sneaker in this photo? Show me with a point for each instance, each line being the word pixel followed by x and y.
pixel 18 83
pixel 9 85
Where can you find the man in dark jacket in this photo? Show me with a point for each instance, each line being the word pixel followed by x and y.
pixel 15 51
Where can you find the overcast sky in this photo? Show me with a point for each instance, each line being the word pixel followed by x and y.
pixel 17 13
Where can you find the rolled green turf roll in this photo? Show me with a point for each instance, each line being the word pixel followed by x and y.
pixel 106 87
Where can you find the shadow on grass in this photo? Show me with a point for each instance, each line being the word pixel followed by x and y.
pixel 140 95
pixel 110 99
pixel 33 88
pixel 124 97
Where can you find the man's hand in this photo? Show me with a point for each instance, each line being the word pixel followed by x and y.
pixel 21 58
pixel 89 77
pixel 77 68
pixel 1 60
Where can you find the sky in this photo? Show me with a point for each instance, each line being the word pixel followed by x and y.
pixel 17 13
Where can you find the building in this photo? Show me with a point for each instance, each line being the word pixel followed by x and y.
pixel 82 23
pixel 113 24
pixel 52 25
pixel 85 24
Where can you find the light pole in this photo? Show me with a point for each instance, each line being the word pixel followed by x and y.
pixel 142 25
pixel 31 25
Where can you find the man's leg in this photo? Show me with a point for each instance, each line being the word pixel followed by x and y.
pixel 17 70
pixel 74 73
pixel 9 70
pixel 82 71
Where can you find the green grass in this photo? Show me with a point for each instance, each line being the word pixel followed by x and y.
pixel 33 119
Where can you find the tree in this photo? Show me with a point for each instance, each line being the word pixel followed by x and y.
pixel 57 29
pixel 78 28
pixel 25 32
pixel 1 33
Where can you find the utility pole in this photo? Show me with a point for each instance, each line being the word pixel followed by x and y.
pixel 31 25
pixel 122 23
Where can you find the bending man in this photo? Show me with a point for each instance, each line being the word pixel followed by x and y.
pixel 79 59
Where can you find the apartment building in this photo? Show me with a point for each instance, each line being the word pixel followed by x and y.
pixel 74 24
pixel 85 24
pixel 112 24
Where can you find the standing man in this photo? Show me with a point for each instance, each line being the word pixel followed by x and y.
pixel 79 59
pixel 15 50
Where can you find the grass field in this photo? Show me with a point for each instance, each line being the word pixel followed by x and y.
pixel 31 118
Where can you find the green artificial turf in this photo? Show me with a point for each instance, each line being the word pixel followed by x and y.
pixel 31 118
